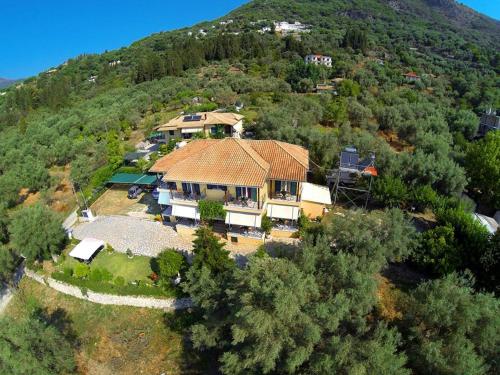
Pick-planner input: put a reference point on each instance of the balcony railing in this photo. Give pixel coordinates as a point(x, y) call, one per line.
point(186, 197)
point(284, 196)
point(245, 232)
point(241, 203)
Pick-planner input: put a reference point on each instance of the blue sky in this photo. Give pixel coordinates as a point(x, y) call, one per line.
point(37, 35)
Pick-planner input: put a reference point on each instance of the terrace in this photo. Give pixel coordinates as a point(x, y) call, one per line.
point(240, 231)
point(177, 196)
point(242, 202)
point(284, 196)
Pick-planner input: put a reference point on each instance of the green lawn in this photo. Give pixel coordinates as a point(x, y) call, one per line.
point(137, 268)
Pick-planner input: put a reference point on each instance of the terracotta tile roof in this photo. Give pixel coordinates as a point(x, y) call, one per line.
point(229, 161)
point(288, 161)
point(165, 163)
point(206, 118)
point(232, 161)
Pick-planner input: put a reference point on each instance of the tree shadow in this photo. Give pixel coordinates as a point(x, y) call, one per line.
point(193, 361)
point(60, 320)
point(277, 249)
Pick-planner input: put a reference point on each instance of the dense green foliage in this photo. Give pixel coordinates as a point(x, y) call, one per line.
point(311, 309)
point(32, 346)
point(36, 232)
point(483, 168)
point(170, 262)
point(211, 210)
point(288, 314)
point(451, 330)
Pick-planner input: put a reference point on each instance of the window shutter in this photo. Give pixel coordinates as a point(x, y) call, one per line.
point(277, 186)
point(254, 194)
point(185, 188)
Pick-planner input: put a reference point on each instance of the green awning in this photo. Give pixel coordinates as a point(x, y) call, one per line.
point(133, 179)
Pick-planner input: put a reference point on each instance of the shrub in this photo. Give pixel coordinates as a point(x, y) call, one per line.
point(68, 271)
point(211, 210)
point(95, 274)
point(266, 224)
point(424, 197)
point(261, 252)
point(100, 274)
point(169, 263)
point(119, 281)
point(81, 271)
point(390, 191)
point(303, 223)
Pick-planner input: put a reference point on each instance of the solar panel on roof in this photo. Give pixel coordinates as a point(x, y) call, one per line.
point(189, 118)
point(348, 159)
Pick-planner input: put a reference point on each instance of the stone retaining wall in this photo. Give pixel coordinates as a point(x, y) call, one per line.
point(111, 299)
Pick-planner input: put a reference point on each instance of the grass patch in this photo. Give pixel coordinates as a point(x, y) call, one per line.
point(134, 274)
point(115, 339)
point(137, 268)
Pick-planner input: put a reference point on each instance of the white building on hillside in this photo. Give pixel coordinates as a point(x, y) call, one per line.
point(288, 28)
point(319, 60)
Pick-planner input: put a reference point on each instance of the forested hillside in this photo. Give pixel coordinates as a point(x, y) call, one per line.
point(71, 125)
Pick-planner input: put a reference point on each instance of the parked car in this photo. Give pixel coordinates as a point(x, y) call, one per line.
point(134, 192)
point(156, 194)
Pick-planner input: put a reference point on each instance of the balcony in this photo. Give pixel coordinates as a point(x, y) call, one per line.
point(284, 196)
point(242, 203)
point(184, 197)
point(238, 231)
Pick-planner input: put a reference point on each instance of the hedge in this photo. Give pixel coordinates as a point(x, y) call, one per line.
point(122, 290)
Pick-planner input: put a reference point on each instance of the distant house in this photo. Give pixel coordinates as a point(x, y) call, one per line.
point(319, 60)
point(185, 126)
point(412, 77)
point(286, 28)
point(250, 178)
point(489, 121)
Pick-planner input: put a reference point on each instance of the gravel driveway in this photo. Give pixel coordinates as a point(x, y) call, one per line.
point(143, 237)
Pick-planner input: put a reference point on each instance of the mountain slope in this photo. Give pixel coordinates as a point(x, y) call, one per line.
point(404, 15)
point(91, 105)
point(5, 82)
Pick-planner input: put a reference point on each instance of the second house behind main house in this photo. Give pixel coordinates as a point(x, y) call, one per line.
point(250, 178)
point(214, 124)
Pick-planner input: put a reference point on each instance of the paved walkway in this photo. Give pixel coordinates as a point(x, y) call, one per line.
point(143, 237)
point(146, 237)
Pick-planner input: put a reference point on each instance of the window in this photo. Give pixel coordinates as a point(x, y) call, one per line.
point(171, 132)
point(217, 187)
point(171, 185)
point(287, 186)
point(190, 188)
point(247, 192)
